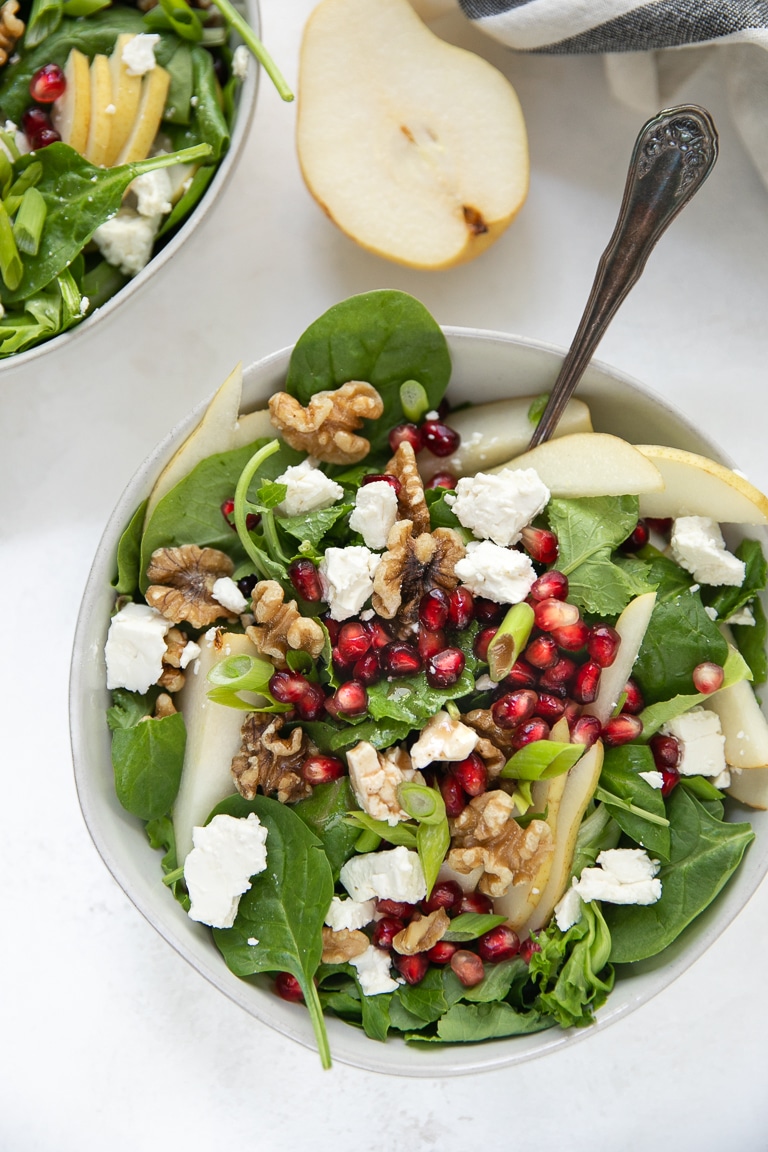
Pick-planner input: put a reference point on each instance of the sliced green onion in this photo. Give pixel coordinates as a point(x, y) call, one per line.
point(537, 406)
point(542, 760)
point(236, 674)
point(185, 22)
point(30, 219)
point(244, 30)
point(44, 18)
point(421, 803)
point(9, 141)
point(173, 877)
point(414, 400)
point(367, 841)
point(611, 799)
point(84, 7)
point(28, 179)
point(6, 173)
point(11, 268)
point(509, 640)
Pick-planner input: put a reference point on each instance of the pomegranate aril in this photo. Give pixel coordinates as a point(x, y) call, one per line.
point(433, 609)
point(521, 675)
point(558, 676)
point(430, 643)
point(311, 704)
point(353, 642)
point(461, 608)
point(350, 699)
point(488, 611)
point(438, 438)
point(665, 751)
point(400, 659)
point(708, 677)
point(514, 708)
point(395, 908)
point(542, 652)
point(385, 931)
point(481, 642)
point(551, 614)
point(342, 668)
point(446, 894)
point(552, 585)
point(42, 138)
point(476, 902)
point(333, 627)
point(527, 949)
point(379, 633)
point(322, 769)
point(530, 732)
point(375, 477)
point(586, 731)
point(586, 682)
point(442, 480)
point(412, 968)
point(442, 952)
point(603, 644)
point(540, 544)
point(549, 707)
point(500, 943)
point(634, 698)
point(471, 774)
point(408, 433)
point(253, 519)
point(47, 84)
point(468, 967)
point(305, 578)
point(453, 795)
point(662, 525)
point(621, 729)
point(572, 637)
point(637, 539)
point(367, 669)
point(444, 668)
point(670, 778)
point(288, 687)
point(228, 510)
point(288, 987)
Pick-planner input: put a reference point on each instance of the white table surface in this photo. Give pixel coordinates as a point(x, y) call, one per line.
point(108, 1040)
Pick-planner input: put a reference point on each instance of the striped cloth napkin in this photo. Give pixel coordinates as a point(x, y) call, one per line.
point(649, 48)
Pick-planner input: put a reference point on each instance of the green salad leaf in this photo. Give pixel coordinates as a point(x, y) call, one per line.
point(324, 813)
point(679, 636)
point(129, 554)
point(147, 757)
point(411, 700)
point(572, 969)
point(636, 807)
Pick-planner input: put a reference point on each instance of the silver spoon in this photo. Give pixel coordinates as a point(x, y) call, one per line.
point(673, 155)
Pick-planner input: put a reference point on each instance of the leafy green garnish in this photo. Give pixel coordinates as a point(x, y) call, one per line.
point(129, 553)
point(147, 758)
point(735, 669)
point(729, 600)
point(410, 699)
point(324, 813)
point(751, 641)
point(572, 969)
point(679, 636)
point(636, 807)
point(313, 526)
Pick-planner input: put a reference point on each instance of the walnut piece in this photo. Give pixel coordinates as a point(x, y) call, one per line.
point(164, 706)
point(270, 761)
point(411, 504)
point(280, 626)
point(181, 584)
point(342, 945)
point(422, 933)
point(484, 835)
point(326, 428)
point(481, 719)
point(11, 29)
point(411, 566)
point(375, 777)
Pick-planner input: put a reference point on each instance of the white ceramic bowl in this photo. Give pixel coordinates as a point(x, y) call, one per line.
point(246, 104)
point(486, 366)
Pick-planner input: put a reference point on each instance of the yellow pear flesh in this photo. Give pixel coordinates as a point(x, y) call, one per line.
point(697, 486)
point(520, 900)
point(71, 113)
point(631, 627)
point(413, 147)
point(590, 464)
point(750, 787)
point(743, 725)
point(154, 92)
point(126, 93)
point(100, 128)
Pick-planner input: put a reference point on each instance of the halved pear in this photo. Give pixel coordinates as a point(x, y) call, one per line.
point(743, 725)
point(71, 113)
point(631, 627)
point(154, 92)
point(413, 147)
point(697, 486)
point(213, 738)
point(750, 787)
point(590, 464)
point(100, 128)
point(126, 94)
point(495, 432)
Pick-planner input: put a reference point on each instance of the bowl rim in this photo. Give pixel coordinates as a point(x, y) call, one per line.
point(246, 107)
point(439, 1060)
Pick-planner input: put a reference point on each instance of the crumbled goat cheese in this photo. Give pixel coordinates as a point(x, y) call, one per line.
point(153, 193)
point(135, 647)
point(226, 854)
point(241, 58)
point(308, 489)
point(347, 578)
point(126, 240)
point(139, 53)
point(710, 611)
point(373, 972)
point(568, 910)
point(743, 617)
point(443, 738)
point(375, 512)
point(392, 875)
point(351, 914)
point(697, 544)
point(702, 743)
point(227, 593)
point(496, 573)
point(623, 876)
point(375, 781)
point(484, 683)
point(723, 779)
point(497, 507)
point(190, 652)
point(655, 779)
point(110, 110)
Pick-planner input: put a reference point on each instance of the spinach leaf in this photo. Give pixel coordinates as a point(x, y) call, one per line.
point(207, 124)
point(501, 980)
point(411, 700)
point(679, 636)
point(468, 1023)
point(705, 853)
point(620, 778)
point(324, 813)
point(425, 1000)
point(751, 642)
point(312, 526)
point(161, 836)
point(129, 553)
point(184, 205)
point(285, 907)
point(572, 969)
point(669, 579)
point(147, 759)
point(470, 925)
point(178, 105)
point(401, 1019)
point(384, 337)
point(735, 668)
point(43, 315)
point(441, 515)
point(375, 1010)
point(381, 734)
point(728, 600)
point(128, 708)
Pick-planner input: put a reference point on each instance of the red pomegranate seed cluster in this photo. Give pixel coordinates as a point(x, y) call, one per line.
point(38, 128)
point(432, 435)
point(47, 84)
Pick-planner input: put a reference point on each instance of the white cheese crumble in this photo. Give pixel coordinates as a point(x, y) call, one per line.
point(498, 506)
point(723, 779)
point(190, 652)
point(375, 780)
point(139, 53)
point(710, 611)
point(153, 193)
point(395, 874)
point(443, 738)
point(347, 578)
point(655, 779)
point(568, 910)
point(702, 743)
point(135, 647)
point(227, 593)
point(697, 544)
point(241, 58)
point(126, 240)
point(744, 617)
point(623, 876)
point(373, 973)
point(351, 914)
point(374, 513)
point(308, 489)
point(496, 573)
point(226, 854)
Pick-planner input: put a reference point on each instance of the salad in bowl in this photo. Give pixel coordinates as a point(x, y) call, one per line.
point(433, 736)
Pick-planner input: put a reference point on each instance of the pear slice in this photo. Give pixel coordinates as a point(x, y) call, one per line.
point(154, 93)
point(126, 94)
point(413, 147)
point(253, 426)
point(71, 113)
point(520, 900)
point(495, 432)
point(697, 486)
point(100, 128)
point(750, 787)
point(213, 738)
point(590, 464)
point(631, 626)
point(743, 725)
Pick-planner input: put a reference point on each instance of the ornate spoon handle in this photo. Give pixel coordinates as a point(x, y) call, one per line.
point(673, 156)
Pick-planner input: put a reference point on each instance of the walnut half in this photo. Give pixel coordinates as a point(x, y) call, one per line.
point(486, 836)
point(326, 428)
point(271, 761)
point(412, 565)
point(11, 29)
point(279, 625)
point(181, 584)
